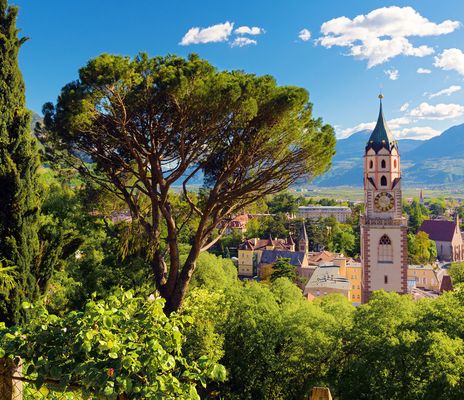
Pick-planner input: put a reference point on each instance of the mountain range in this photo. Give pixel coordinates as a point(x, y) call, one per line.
point(433, 162)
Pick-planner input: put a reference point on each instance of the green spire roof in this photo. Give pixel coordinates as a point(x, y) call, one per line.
point(381, 136)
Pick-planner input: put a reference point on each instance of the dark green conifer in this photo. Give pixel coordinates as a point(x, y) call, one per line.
point(19, 162)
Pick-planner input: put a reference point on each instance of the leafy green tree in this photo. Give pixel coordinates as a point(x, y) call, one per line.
point(283, 203)
point(149, 123)
point(19, 187)
point(123, 346)
point(214, 273)
point(417, 214)
point(437, 207)
point(277, 344)
point(456, 271)
point(283, 269)
point(421, 250)
point(344, 241)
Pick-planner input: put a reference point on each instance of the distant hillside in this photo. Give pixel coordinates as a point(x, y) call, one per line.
point(347, 164)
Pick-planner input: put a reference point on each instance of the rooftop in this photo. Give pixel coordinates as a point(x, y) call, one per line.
point(439, 230)
point(327, 277)
point(381, 136)
point(271, 256)
point(323, 208)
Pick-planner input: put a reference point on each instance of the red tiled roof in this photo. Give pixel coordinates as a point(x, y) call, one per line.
point(439, 230)
point(322, 256)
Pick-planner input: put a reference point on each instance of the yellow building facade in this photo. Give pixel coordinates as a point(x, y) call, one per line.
point(353, 272)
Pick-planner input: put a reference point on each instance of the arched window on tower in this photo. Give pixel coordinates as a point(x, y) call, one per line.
point(394, 163)
point(383, 181)
point(383, 163)
point(385, 250)
point(371, 164)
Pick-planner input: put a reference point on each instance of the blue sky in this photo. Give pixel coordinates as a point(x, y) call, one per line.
point(342, 64)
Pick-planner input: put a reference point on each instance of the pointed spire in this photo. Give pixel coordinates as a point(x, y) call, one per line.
point(381, 135)
point(303, 233)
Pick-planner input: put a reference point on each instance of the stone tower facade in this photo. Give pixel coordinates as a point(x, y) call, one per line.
point(384, 246)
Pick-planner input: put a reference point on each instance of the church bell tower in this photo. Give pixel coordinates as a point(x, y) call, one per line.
point(384, 245)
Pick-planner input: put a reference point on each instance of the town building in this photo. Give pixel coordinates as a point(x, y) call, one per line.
point(237, 224)
point(326, 280)
point(341, 213)
point(423, 276)
point(251, 250)
point(298, 259)
point(352, 271)
point(340, 275)
point(447, 237)
point(384, 246)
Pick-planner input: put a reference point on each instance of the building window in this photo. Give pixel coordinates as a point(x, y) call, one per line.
point(394, 163)
point(384, 164)
point(385, 279)
point(383, 181)
point(371, 164)
point(385, 250)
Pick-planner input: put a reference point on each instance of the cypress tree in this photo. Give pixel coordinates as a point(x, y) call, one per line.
point(19, 188)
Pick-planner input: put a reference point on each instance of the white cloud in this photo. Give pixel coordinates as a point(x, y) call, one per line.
point(404, 107)
point(392, 74)
point(392, 124)
point(382, 34)
point(448, 91)
point(242, 41)
point(344, 133)
point(423, 71)
point(304, 35)
point(418, 132)
point(395, 123)
point(246, 30)
point(438, 111)
point(214, 33)
point(450, 59)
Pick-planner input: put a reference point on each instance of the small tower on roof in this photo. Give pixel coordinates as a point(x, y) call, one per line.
point(303, 242)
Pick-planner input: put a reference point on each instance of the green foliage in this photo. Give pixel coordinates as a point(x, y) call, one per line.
point(456, 270)
point(283, 203)
point(275, 226)
point(8, 279)
point(122, 345)
point(403, 349)
point(329, 234)
point(214, 273)
point(417, 214)
point(283, 269)
point(277, 345)
point(19, 188)
point(421, 250)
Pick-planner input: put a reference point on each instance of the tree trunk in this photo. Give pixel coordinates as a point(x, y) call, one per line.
point(10, 389)
point(175, 300)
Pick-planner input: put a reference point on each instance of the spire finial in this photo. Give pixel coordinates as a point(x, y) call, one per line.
point(380, 96)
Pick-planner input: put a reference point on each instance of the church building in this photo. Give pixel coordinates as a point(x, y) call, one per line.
point(384, 245)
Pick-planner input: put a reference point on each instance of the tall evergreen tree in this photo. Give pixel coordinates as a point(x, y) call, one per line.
point(19, 162)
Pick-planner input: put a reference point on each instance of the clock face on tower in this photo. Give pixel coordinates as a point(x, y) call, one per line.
point(384, 202)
